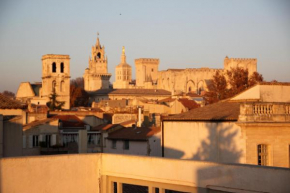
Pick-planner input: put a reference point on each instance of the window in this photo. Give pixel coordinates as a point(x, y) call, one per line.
point(263, 155)
point(53, 85)
point(62, 86)
point(54, 67)
point(35, 141)
point(47, 140)
point(126, 144)
point(61, 67)
point(114, 144)
point(99, 55)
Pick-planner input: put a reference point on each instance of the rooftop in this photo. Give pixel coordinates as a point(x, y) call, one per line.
point(221, 111)
point(190, 104)
point(7, 103)
point(131, 92)
point(134, 134)
point(69, 121)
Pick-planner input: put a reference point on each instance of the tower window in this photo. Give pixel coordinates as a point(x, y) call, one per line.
point(61, 67)
point(62, 86)
point(53, 86)
point(99, 55)
point(54, 67)
point(152, 70)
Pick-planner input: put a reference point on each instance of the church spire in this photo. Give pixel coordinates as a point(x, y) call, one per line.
point(123, 57)
point(98, 41)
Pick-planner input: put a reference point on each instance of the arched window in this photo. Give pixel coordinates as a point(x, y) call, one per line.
point(62, 86)
point(99, 55)
point(54, 67)
point(61, 67)
point(53, 85)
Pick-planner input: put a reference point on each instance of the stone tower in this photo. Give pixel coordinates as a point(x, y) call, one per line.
point(123, 73)
point(97, 76)
point(146, 71)
point(56, 77)
point(246, 63)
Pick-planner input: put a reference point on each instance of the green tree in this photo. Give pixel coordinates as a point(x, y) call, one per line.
point(54, 104)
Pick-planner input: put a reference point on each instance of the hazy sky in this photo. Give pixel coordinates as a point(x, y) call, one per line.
point(182, 34)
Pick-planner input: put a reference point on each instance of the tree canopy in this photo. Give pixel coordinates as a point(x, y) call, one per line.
point(53, 103)
point(78, 96)
point(234, 81)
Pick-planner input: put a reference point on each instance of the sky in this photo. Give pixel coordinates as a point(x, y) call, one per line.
point(182, 34)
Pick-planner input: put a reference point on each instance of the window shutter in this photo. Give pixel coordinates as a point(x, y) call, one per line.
point(53, 140)
point(24, 141)
point(30, 141)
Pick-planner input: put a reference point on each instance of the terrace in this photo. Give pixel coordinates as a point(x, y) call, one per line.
point(110, 173)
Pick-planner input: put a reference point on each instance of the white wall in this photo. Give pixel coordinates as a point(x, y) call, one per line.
point(135, 147)
point(155, 145)
point(266, 93)
point(1, 136)
point(92, 173)
point(210, 141)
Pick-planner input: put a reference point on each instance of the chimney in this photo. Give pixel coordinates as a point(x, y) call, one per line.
point(139, 117)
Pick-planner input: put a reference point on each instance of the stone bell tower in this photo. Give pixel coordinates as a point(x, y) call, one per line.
point(96, 76)
point(56, 77)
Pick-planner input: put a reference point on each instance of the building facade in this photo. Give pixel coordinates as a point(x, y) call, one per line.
point(251, 128)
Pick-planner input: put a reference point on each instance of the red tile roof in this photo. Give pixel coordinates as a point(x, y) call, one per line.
point(134, 134)
point(167, 100)
point(38, 122)
point(7, 103)
point(190, 104)
point(104, 127)
point(221, 111)
point(69, 121)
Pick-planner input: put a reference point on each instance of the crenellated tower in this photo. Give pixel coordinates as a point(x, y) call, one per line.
point(96, 76)
point(246, 63)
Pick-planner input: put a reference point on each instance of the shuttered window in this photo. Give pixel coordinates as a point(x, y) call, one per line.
point(263, 155)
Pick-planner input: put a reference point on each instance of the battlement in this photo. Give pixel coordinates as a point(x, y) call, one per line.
point(55, 56)
point(147, 60)
point(243, 59)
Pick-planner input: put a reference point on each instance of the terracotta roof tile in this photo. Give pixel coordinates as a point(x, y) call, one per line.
point(190, 104)
point(167, 100)
point(221, 111)
point(38, 122)
point(134, 134)
point(104, 127)
point(69, 121)
point(7, 103)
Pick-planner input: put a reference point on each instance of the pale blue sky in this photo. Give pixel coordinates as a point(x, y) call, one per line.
point(182, 34)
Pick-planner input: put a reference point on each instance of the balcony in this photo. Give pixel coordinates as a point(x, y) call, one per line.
point(265, 112)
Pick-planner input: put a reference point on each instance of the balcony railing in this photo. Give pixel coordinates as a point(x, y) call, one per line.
point(264, 112)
